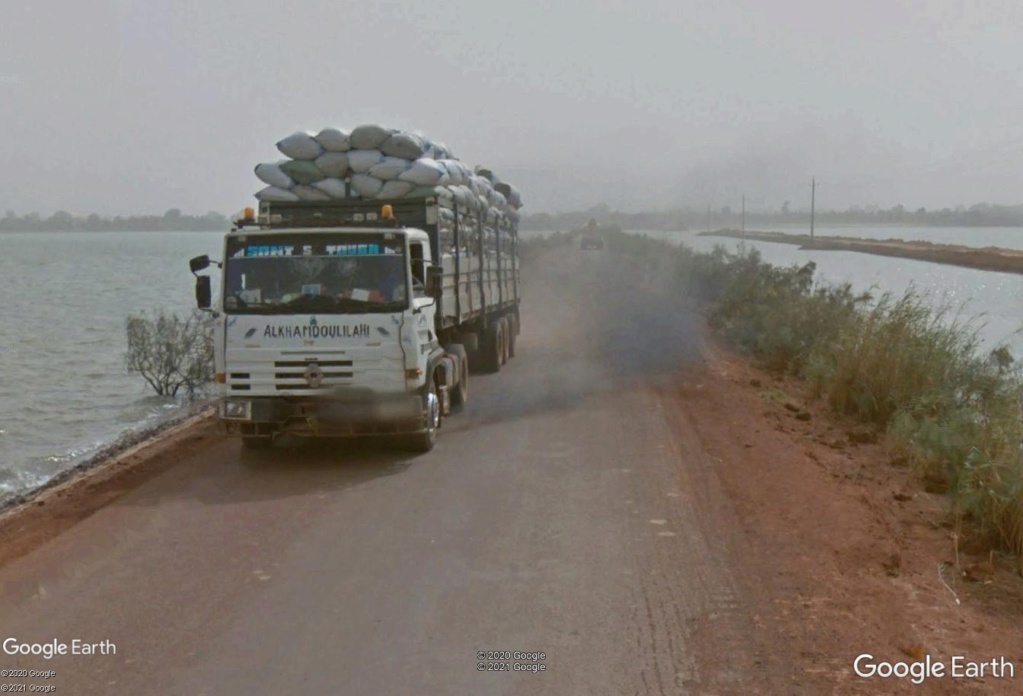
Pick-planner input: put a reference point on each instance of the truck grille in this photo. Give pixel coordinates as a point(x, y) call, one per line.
point(289, 375)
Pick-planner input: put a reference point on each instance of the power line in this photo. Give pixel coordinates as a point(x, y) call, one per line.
point(813, 197)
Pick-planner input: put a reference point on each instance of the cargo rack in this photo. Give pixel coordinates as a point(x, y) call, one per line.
point(407, 212)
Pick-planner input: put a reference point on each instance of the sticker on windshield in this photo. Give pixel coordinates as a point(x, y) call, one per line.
point(269, 250)
point(253, 296)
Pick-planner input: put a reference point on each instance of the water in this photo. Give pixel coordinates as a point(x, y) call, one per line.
point(64, 390)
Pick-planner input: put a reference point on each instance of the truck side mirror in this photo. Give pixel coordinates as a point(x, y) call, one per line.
point(199, 263)
point(203, 295)
point(434, 280)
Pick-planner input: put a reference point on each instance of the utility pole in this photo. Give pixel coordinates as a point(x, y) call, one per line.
point(744, 215)
point(813, 196)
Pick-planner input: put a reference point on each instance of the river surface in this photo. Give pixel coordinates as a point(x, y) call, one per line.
point(65, 393)
point(64, 390)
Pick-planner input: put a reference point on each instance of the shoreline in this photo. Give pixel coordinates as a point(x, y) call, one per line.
point(31, 519)
point(108, 451)
point(997, 259)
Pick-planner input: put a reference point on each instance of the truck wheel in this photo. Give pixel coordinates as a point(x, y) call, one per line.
point(423, 442)
point(492, 348)
point(513, 331)
point(461, 392)
point(504, 340)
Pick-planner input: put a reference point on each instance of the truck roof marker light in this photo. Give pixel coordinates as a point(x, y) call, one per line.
point(387, 212)
point(250, 214)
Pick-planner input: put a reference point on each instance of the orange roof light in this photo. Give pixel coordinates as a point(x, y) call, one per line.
point(386, 212)
point(250, 214)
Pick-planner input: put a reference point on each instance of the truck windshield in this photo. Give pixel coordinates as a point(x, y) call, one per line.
point(317, 272)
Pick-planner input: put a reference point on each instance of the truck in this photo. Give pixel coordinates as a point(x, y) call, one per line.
point(352, 317)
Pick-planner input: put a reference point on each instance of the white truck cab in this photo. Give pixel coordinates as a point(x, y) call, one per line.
point(333, 328)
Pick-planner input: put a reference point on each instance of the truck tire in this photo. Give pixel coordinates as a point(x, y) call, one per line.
point(491, 348)
point(423, 442)
point(513, 331)
point(504, 339)
point(460, 394)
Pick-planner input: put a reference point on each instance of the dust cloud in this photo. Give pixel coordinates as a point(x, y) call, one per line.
point(593, 322)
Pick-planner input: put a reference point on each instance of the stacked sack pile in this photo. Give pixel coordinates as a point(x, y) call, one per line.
point(373, 162)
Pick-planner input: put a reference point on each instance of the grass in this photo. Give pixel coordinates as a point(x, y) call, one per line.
point(911, 370)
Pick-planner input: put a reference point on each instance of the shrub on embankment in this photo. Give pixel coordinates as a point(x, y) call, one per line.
point(171, 353)
point(912, 370)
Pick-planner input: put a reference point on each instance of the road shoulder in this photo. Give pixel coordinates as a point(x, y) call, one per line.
point(836, 544)
point(49, 511)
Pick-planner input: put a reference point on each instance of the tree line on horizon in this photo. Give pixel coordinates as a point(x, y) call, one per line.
point(62, 221)
point(980, 215)
point(173, 220)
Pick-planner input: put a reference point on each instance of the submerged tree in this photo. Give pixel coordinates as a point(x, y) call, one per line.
point(171, 353)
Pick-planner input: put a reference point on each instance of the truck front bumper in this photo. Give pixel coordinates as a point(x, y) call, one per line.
point(322, 415)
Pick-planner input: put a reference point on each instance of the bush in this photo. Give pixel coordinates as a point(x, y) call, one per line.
point(171, 353)
point(897, 363)
point(776, 314)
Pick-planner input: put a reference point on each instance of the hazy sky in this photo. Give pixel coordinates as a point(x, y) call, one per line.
point(117, 106)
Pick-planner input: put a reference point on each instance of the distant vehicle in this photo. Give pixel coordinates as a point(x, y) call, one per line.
point(592, 236)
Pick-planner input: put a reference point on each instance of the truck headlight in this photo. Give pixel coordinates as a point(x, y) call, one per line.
point(236, 409)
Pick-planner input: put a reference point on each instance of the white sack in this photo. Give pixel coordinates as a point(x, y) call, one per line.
point(369, 137)
point(335, 188)
point(367, 186)
point(361, 161)
point(333, 164)
point(389, 168)
point(420, 191)
point(404, 145)
point(274, 193)
point(442, 152)
point(334, 140)
point(424, 172)
point(302, 171)
point(395, 189)
point(270, 173)
point(454, 170)
point(300, 146)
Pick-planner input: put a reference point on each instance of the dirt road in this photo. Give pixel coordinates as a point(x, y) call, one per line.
point(571, 511)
